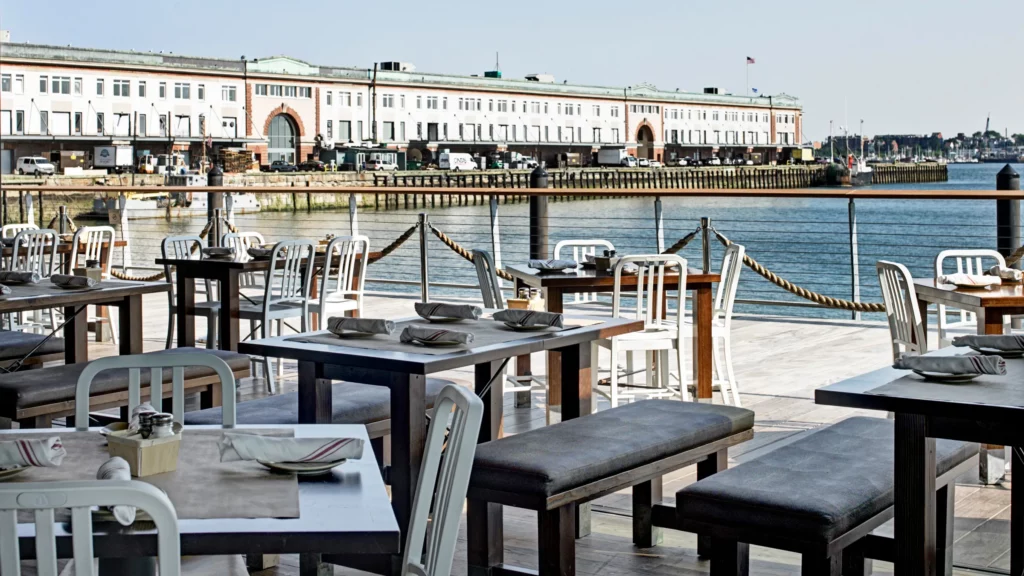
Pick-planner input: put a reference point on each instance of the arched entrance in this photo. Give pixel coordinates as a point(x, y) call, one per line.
point(284, 140)
point(645, 142)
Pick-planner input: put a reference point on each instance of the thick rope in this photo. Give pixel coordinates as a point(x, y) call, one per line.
point(394, 245)
point(463, 252)
point(804, 293)
point(675, 248)
point(1015, 257)
point(159, 275)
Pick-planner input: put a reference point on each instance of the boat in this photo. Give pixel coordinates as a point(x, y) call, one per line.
point(149, 205)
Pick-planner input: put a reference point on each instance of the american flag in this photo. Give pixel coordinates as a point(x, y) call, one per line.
point(750, 60)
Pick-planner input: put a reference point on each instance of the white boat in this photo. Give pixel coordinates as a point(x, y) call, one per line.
point(147, 205)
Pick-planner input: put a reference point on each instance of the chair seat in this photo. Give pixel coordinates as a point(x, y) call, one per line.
point(352, 404)
point(255, 311)
point(336, 304)
point(664, 337)
point(15, 345)
point(206, 309)
point(816, 488)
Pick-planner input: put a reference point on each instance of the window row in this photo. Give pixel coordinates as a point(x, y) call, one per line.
point(749, 137)
point(345, 99)
point(284, 90)
point(15, 83)
point(118, 124)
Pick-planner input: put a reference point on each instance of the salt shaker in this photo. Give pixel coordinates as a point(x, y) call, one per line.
point(162, 425)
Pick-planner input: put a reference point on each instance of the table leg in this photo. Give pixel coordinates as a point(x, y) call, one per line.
point(992, 464)
point(229, 305)
point(577, 400)
point(102, 327)
point(553, 302)
point(130, 325)
point(524, 371)
point(493, 374)
point(314, 293)
point(408, 434)
point(186, 307)
point(915, 497)
point(703, 310)
point(76, 335)
point(310, 564)
point(1017, 514)
point(990, 321)
point(922, 306)
point(315, 394)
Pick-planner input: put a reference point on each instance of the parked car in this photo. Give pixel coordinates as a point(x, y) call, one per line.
point(313, 166)
point(282, 166)
point(654, 163)
point(36, 165)
point(381, 164)
point(644, 163)
point(713, 162)
point(678, 162)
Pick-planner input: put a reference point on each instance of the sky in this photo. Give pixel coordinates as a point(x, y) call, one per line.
point(901, 66)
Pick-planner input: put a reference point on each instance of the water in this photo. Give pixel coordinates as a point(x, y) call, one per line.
point(803, 240)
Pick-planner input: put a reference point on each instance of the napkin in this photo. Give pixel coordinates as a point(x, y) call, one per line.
point(340, 324)
point(439, 310)
point(1004, 273)
point(68, 281)
point(953, 364)
point(529, 318)
point(993, 341)
point(260, 252)
point(429, 334)
point(117, 469)
point(8, 277)
point(552, 264)
point(47, 452)
point(145, 407)
point(234, 447)
point(970, 280)
point(219, 251)
point(4, 290)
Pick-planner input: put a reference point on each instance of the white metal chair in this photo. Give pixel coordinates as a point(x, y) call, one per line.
point(241, 242)
point(35, 250)
point(900, 297)
point(966, 262)
point(188, 248)
point(88, 244)
point(444, 479)
point(336, 293)
point(660, 336)
point(9, 231)
point(580, 250)
point(45, 497)
point(286, 295)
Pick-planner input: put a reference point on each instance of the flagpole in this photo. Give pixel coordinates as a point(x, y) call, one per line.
point(748, 77)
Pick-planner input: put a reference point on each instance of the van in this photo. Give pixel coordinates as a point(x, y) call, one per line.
point(629, 162)
point(456, 161)
point(381, 164)
point(36, 165)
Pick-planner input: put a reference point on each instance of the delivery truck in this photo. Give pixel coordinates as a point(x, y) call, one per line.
point(456, 161)
point(615, 157)
point(114, 158)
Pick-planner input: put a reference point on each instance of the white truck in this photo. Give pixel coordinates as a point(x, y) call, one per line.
point(456, 161)
point(114, 158)
point(615, 157)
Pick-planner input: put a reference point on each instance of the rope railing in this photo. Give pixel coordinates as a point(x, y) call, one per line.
point(394, 245)
point(461, 251)
point(121, 275)
point(682, 242)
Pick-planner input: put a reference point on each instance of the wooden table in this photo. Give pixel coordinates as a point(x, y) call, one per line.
point(990, 305)
point(126, 296)
point(939, 411)
point(344, 512)
point(404, 373)
point(556, 285)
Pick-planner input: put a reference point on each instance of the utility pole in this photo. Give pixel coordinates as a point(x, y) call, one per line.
point(373, 105)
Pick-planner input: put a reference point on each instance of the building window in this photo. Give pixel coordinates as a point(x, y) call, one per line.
point(490, 105)
point(261, 89)
point(461, 103)
point(122, 88)
point(419, 127)
point(389, 131)
point(44, 122)
point(419, 102)
point(444, 103)
point(275, 90)
point(490, 132)
point(78, 124)
point(344, 130)
point(5, 83)
point(387, 101)
point(305, 91)
point(330, 98)
point(597, 134)
point(162, 90)
point(142, 89)
point(345, 99)
point(182, 90)
point(201, 92)
point(291, 91)
point(19, 121)
point(502, 105)
point(559, 108)
point(597, 110)
point(99, 123)
point(401, 103)
point(330, 129)
point(513, 105)
point(359, 128)
point(446, 131)
point(359, 99)
point(140, 127)
point(615, 135)
point(44, 84)
point(228, 93)
point(99, 87)
point(60, 85)
point(19, 84)
point(401, 130)
point(431, 102)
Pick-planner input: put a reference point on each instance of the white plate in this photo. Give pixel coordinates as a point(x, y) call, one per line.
point(441, 319)
point(946, 378)
point(303, 468)
point(532, 328)
point(352, 334)
point(80, 288)
point(1003, 353)
point(970, 286)
point(437, 343)
point(5, 474)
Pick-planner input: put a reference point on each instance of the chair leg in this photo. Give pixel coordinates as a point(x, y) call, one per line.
point(595, 365)
point(729, 373)
point(630, 356)
point(613, 377)
point(170, 331)
point(944, 515)
point(854, 562)
point(212, 321)
point(280, 361)
point(112, 319)
point(717, 369)
point(684, 389)
point(729, 558)
point(818, 566)
point(663, 369)
point(268, 373)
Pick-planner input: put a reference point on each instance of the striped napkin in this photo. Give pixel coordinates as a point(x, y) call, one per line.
point(1004, 273)
point(552, 264)
point(441, 310)
point(953, 364)
point(235, 447)
point(992, 341)
point(46, 452)
point(4, 290)
point(429, 334)
point(9, 277)
point(338, 325)
point(117, 468)
point(529, 318)
point(970, 280)
point(69, 281)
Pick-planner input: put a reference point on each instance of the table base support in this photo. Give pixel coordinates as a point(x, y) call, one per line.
point(992, 464)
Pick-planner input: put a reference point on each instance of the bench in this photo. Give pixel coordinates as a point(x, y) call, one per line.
point(820, 495)
point(15, 345)
point(34, 397)
point(555, 469)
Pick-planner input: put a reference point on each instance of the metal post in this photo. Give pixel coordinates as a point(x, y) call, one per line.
point(854, 257)
point(424, 261)
point(705, 244)
point(539, 215)
point(659, 225)
point(30, 213)
point(495, 235)
point(41, 223)
point(353, 221)
point(62, 219)
point(122, 213)
point(229, 208)
point(1008, 237)
point(215, 204)
point(216, 231)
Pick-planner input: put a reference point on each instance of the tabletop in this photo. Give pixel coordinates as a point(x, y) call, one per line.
point(1005, 295)
point(45, 294)
point(590, 277)
point(345, 512)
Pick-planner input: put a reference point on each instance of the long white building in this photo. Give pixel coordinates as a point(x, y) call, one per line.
point(61, 98)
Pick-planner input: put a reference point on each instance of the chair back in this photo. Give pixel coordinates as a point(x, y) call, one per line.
point(580, 250)
point(444, 479)
point(180, 248)
point(487, 276)
point(353, 256)
point(156, 363)
point(35, 250)
point(241, 242)
point(289, 278)
point(725, 297)
point(905, 327)
point(965, 261)
point(81, 496)
point(94, 243)
point(651, 294)
point(11, 230)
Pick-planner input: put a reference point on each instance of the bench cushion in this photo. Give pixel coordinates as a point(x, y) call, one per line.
point(15, 345)
point(553, 459)
point(814, 489)
point(30, 388)
point(353, 404)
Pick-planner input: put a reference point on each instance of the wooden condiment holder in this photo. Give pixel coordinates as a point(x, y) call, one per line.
point(94, 273)
point(145, 456)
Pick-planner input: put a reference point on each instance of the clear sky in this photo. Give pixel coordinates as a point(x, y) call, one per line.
point(903, 66)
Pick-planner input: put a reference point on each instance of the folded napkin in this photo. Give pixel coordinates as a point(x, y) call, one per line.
point(529, 318)
point(8, 277)
point(219, 251)
point(69, 281)
point(1004, 273)
point(260, 252)
point(993, 341)
point(953, 364)
point(48, 452)
point(552, 264)
point(4, 290)
point(341, 324)
point(117, 469)
point(234, 447)
point(439, 310)
point(430, 334)
point(144, 408)
point(970, 280)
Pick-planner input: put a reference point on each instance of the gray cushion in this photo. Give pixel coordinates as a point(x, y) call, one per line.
point(353, 404)
point(816, 488)
point(556, 458)
point(16, 345)
point(57, 384)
